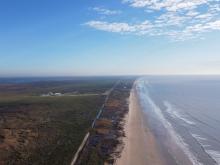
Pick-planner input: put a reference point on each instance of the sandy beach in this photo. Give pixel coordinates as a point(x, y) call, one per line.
point(140, 146)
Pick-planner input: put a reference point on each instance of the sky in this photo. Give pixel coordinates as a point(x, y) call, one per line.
point(109, 37)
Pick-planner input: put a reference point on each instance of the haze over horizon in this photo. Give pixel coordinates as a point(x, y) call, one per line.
point(118, 37)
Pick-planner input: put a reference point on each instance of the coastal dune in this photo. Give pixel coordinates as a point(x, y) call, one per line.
point(140, 145)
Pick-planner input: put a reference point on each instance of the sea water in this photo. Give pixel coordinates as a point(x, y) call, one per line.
point(184, 114)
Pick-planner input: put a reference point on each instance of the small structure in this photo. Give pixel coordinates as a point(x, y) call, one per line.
point(51, 94)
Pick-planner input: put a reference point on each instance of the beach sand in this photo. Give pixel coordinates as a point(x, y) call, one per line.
point(140, 145)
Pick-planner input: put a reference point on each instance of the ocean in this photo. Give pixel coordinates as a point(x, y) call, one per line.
point(183, 113)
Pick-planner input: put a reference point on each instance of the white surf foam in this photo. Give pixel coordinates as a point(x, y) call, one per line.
point(175, 137)
point(198, 137)
point(215, 155)
point(175, 114)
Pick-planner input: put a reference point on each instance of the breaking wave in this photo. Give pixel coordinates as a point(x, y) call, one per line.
point(175, 114)
point(142, 88)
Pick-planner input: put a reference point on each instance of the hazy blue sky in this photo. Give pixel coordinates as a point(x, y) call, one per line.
point(99, 37)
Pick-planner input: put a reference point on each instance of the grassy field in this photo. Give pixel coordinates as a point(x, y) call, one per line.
point(36, 88)
point(46, 130)
point(49, 130)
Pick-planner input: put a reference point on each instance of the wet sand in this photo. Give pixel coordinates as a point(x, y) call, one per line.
point(155, 137)
point(140, 145)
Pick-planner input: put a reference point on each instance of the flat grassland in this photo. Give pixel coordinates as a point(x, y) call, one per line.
point(76, 86)
point(47, 130)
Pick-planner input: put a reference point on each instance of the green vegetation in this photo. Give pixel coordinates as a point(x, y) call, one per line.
point(79, 86)
point(38, 130)
point(47, 130)
point(105, 142)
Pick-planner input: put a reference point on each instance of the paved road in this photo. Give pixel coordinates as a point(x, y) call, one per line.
point(93, 124)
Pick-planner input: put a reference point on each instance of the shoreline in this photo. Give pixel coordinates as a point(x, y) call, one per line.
point(139, 143)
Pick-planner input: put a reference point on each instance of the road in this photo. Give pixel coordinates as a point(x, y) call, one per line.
point(77, 154)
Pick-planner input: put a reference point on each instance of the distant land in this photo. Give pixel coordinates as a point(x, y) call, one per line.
point(115, 120)
point(40, 127)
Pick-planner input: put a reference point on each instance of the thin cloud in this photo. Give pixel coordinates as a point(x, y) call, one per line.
point(178, 20)
point(104, 11)
point(120, 27)
point(169, 5)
